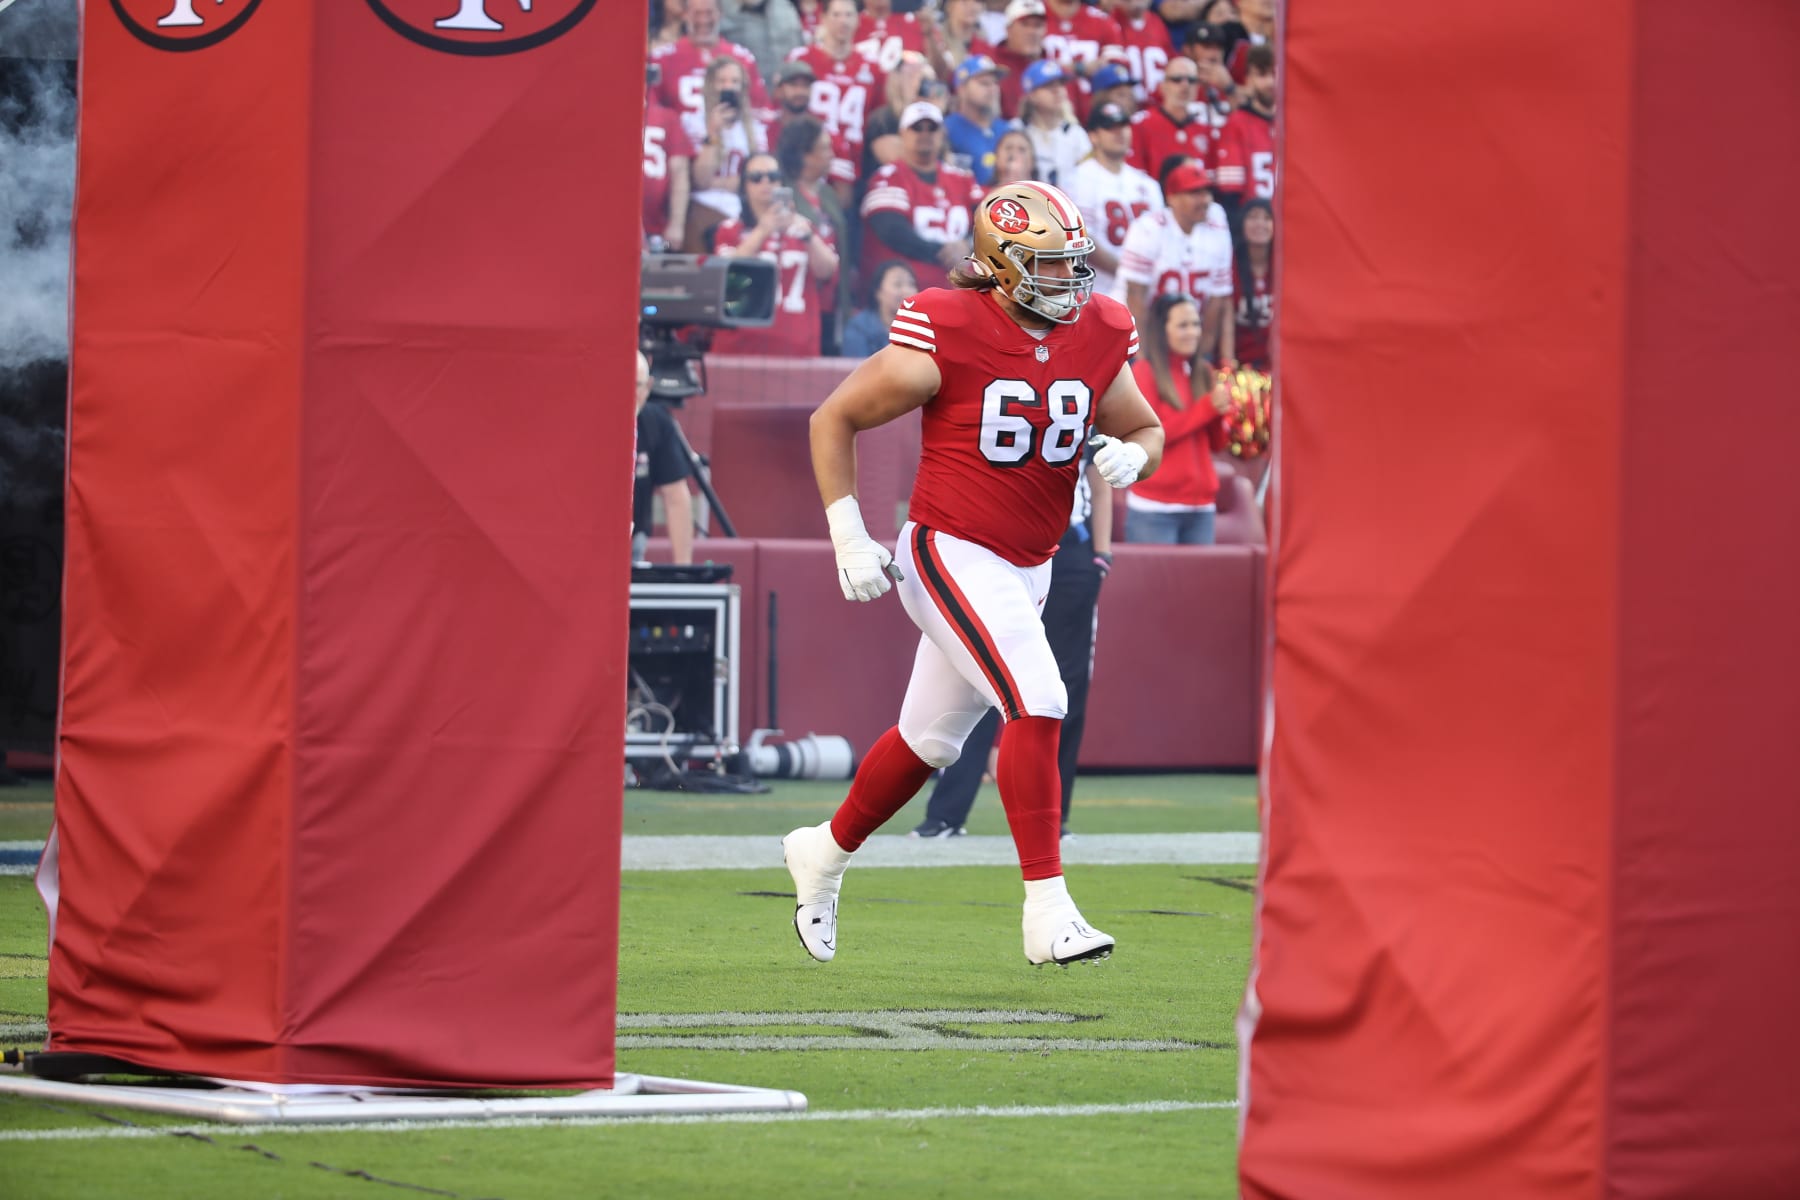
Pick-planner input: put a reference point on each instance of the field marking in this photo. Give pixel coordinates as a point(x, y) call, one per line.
point(1017, 1111)
point(877, 1029)
point(705, 852)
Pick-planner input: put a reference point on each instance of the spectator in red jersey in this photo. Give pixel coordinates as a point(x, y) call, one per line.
point(812, 12)
point(1169, 129)
point(885, 35)
point(1026, 27)
point(1253, 286)
point(1114, 84)
point(668, 163)
point(1246, 158)
point(1178, 505)
point(806, 155)
point(1014, 158)
point(1147, 46)
point(769, 29)
point(725, 134)
point(1184, 248)
point(867, 331)
point(1080, 38)
point(805, 264)
point(1048, 118)
point(1206, 47)
point(956, 38)
point(907, 83)
point(684, 64)
point(847, 88)
point(917, 208)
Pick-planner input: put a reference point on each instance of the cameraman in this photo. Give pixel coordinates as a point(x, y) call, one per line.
point(662, 469)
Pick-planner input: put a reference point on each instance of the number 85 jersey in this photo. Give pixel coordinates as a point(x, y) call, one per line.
point(1002, 439)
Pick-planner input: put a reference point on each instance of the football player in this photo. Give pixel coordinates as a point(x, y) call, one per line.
point(1014, 367)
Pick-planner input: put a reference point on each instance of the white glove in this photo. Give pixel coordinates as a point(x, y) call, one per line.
point(1118, 462)
point(865, 567)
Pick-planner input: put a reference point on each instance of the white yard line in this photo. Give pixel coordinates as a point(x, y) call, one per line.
point(704, 852)
point(232, 1132)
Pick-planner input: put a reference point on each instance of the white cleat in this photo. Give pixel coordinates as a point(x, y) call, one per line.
point(1058, 935)
point(816, 863)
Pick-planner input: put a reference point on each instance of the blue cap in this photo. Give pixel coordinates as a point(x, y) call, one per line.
point(1043, 73)
point(975, 64)
point(1111, 75)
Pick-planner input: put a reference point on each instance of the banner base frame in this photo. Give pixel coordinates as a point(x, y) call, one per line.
point(270, 1104)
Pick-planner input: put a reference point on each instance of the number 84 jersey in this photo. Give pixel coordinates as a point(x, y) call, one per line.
point(1002, 439)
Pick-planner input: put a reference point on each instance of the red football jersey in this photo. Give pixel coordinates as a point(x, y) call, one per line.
point(939, 212)
point(664, 139)
point(1148, 48)
point(1087, 36)
point(885, 39)
point(1246, 157)
point(844, 94)
point(683, 83)
point(1012, 84)
point(1255, 317)
point(1154, 137)
point(795, 333)
point(1002, 439)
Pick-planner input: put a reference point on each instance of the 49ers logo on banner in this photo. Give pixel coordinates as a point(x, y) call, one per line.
point(183, 24)
point(1009, 216)
point(481, 26)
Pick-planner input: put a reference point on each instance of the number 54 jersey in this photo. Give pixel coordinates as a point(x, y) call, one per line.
point(1002, 439)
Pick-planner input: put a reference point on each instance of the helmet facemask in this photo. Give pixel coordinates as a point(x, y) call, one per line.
point(1056, 298)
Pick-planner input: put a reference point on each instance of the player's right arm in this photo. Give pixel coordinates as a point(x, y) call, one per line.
point(889, 384)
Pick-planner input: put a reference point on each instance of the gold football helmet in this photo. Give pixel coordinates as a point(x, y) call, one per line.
point(1019, 228)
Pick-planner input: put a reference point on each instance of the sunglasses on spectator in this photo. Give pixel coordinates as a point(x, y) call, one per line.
point(925, 126)
point(1182, 78)
point(762, 176)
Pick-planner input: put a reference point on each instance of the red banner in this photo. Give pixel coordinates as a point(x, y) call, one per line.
point(339, 790)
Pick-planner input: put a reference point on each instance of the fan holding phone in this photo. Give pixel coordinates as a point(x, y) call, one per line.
point(805, 258)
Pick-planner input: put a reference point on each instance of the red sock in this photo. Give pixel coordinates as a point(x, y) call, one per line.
point(1031, 790)
point(890, 775)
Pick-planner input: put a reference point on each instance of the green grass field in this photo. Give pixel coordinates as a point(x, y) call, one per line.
point(1077, 1115)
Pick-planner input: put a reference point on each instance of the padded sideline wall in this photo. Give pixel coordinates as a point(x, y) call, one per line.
point(1524, 928)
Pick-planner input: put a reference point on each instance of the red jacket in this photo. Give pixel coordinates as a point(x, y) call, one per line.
point(1190, 435)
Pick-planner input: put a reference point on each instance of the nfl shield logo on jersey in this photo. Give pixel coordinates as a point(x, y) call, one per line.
point(1043, 353)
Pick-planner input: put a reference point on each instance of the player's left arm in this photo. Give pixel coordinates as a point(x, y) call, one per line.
point(1129, 426)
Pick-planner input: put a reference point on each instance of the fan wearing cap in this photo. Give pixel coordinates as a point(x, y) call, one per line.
point(1081, 39)
point(1011, 369)
point(847, 87)
point(1186, 248)
point(974, 125)
point(1048, 118)
point(1111, 192)
point(1146, 42)
point(1114, 84)
point(917, 207)
point(1205, 47)
point(1023, 46)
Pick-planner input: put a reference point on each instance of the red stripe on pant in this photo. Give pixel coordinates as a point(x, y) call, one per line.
point(960, 614)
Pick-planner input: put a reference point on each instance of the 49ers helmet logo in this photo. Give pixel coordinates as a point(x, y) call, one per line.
point(1009, 217)
point(183, 24)
point(481, 26)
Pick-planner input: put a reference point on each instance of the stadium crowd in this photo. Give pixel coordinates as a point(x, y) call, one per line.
point(848, 140)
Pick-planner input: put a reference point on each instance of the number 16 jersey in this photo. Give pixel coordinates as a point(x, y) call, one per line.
point(1002, 439)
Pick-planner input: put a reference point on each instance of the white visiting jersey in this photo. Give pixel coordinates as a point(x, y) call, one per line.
point(1158, 254)
point(1109, 202)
